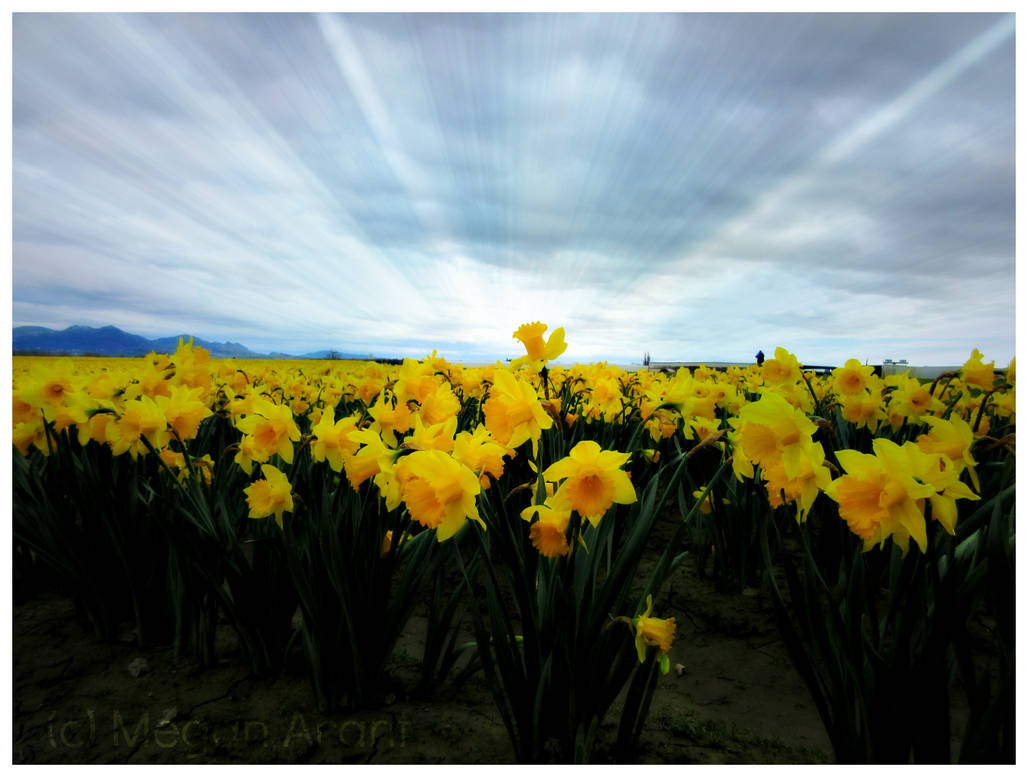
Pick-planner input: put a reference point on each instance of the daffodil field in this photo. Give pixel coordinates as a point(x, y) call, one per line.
point(314, 504)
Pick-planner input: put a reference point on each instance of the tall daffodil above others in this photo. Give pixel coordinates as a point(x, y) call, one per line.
point(976, 373)
point(783, 369)
point(539, 351)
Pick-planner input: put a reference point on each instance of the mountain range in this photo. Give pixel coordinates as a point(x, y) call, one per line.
point(111, 341)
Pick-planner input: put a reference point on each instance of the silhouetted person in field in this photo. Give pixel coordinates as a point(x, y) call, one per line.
point(760, 358)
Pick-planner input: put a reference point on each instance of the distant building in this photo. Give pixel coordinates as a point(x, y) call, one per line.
point(900, 366)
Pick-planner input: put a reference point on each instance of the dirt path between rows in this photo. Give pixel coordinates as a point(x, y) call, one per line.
point(733, 698)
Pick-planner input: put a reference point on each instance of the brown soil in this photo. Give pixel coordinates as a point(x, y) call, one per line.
point(733, 698)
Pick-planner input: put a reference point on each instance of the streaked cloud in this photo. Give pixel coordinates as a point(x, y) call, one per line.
point(693, 185)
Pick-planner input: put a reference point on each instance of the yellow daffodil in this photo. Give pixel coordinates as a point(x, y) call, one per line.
point(910, 401)
point(802, 486)
point(387, 542)
point(975, 373)
point(28, 434)
point(95, 426)
point(513, 412)
point(783, 369)
point(271, 496)
point(742, 467)
point(273, 430)
point(23, 410)
point(192, 364)
point(662, 424)
point(549, 533)
point(853, 378)
point(365, 462)
point(439, 491)
point(332, 441)
point(480, 453)
point(702, 428)
point(953, 439)
point(47, 385)
point(539, 351)
point(654, 632)
point(606, 401)
point(592, 480)
point(390, 419)
point(151, 380)
point(173, 459)
point(880, 494)
point(439, 405)
point(71, 411)
point(247, 454)
point(139, 418)
point(184, 410)
point(437, 437)
point(864, 409)
point(707, 505)
point(415, 381)
point(772, 430)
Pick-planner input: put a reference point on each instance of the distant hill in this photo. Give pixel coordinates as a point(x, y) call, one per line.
point(107, 341)
point(111, 341)
point(218, 350)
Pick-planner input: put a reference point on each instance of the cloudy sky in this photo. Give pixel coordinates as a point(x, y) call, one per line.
point(692, 185)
